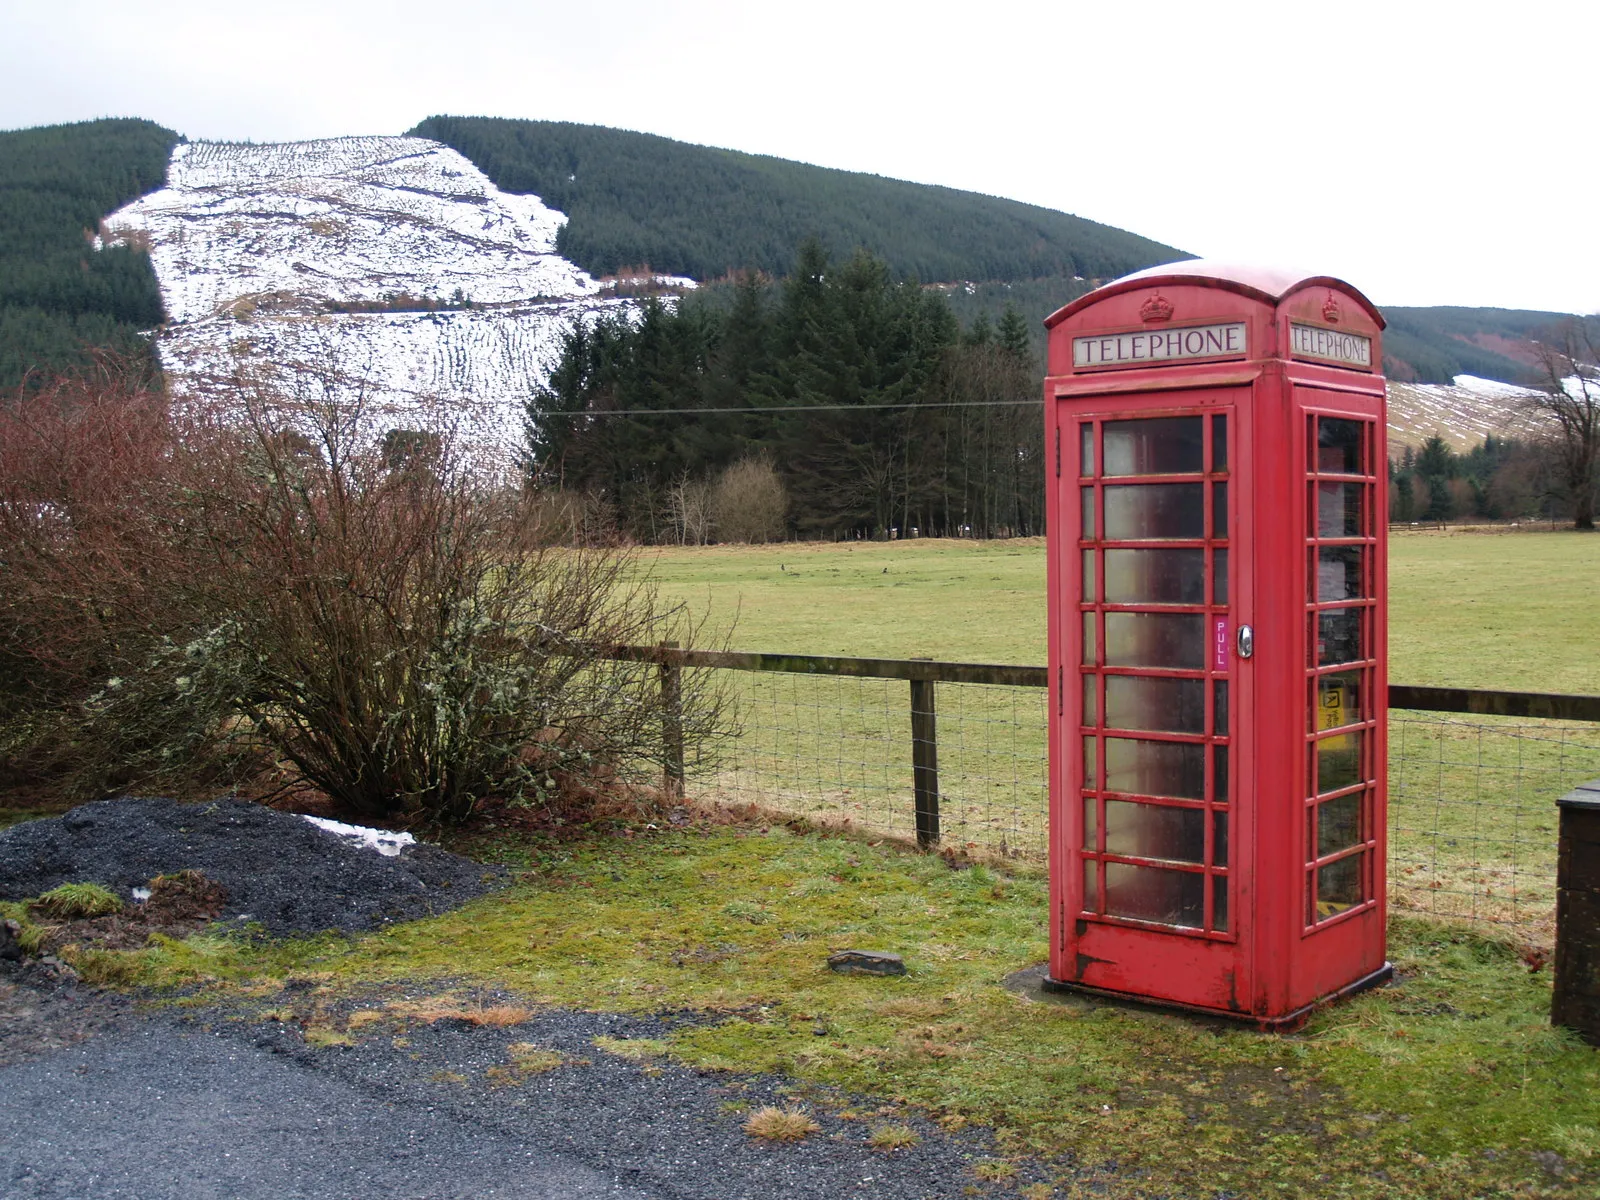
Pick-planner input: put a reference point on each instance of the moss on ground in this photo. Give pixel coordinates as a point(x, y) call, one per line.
point(1451, 1084)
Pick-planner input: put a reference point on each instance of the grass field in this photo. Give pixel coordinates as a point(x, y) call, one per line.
point(1515, 610)
point(1471, 809)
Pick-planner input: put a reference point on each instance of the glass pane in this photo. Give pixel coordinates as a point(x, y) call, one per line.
point(1219, 903)
point(1339, 636)
point(1154, 510)
point(1338, 886)
point(1088, 576)
point(1339, 446)
point(1339, 573)
point(1155, 831)
point(1086, 449)
point(1090, 708)
point(1091, 777)
point(1155, 894)
point(1091, 893)
point(1219, 774)
point(1089, 648)
point(1219, 442)
point(1156, 768)
point(1219, 707)
point(1156, 640)
point(1156, 576)
point(1339, 509)
point(1338, 700)
point(1167, 705)
point(1087, 496)
point(1338, 762)
point(1219, 576)
point(1153, 446)
point(1090, 838)
point(1219, 838)
point(1338, 824)
point(1219, 510)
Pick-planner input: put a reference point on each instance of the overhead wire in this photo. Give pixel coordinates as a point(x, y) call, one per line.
point(788, 408)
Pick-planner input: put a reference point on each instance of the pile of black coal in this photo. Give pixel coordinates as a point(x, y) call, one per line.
point(278, 870)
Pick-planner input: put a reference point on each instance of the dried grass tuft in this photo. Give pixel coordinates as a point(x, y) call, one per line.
point(780, 1124)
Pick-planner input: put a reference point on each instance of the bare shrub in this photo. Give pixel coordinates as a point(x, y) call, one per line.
point(689, 501)
point(83, 553)
point(748, 502)
point(411, 642)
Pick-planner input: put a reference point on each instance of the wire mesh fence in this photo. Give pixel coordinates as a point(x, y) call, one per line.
point(838, 750)
point(1472, 814)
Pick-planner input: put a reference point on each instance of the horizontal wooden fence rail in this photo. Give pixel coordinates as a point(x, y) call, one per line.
point(860, 668)
point(924, 674)
point(1479, 701)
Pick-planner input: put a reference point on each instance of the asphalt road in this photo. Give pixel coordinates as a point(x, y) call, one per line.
point(99, 1100)
point(150, 1111)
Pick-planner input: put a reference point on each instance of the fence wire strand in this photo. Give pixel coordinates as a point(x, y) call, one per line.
point(1472, 814)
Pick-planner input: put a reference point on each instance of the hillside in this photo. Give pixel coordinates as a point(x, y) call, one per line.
point(57, 295)
point(699, 211)
point(636, 198)
point(386, 268)
point(1434, 345)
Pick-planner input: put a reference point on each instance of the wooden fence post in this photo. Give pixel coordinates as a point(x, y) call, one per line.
point(925, 762)
point(1576, 1002)
point(671, 674)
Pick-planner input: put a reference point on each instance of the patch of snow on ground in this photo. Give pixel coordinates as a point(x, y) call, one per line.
point(381, 840)
point(257, 247)
point(1490, 387)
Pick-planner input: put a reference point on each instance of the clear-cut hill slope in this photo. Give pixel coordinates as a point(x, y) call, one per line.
point(1463, 413)
point(262, 251)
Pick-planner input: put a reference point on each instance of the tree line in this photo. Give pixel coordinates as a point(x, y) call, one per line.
point(60, 299)
point(856, 392)
point(1500, 479)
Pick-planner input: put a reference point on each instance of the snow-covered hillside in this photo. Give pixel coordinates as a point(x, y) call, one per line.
point(259, 249)
point(1463, 412)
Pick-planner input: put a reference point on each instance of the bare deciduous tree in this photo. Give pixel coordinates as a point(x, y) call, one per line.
point(1569, 362)
point(689, 508)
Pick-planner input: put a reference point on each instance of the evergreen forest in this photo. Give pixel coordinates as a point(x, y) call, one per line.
point(635, 198)
point(59, 297)
point(857, 392)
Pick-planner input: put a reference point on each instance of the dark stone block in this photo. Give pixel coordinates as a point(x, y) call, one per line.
point(866, 962)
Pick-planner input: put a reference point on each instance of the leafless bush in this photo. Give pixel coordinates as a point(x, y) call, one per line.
point(83, 553)
point(748, 502)
point(410, 641)
point(689, 508)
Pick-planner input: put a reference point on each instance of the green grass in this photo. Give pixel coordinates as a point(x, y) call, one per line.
point(1517, 611)
point(1447, 1085)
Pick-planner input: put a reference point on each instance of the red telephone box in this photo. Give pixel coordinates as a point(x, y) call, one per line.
point(1217, 641)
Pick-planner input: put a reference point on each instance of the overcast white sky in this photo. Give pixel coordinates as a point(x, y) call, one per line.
point(1427, 153)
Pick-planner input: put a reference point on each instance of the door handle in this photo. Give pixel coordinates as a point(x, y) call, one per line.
point(1246, 641)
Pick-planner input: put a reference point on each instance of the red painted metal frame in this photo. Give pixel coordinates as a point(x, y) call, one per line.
point(1275, 962)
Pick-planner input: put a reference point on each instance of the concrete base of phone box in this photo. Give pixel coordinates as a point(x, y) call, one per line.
point(1287, 1023)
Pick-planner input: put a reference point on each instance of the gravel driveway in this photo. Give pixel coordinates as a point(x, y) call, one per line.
point(99, 1100)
